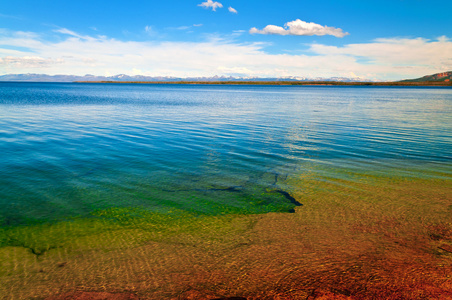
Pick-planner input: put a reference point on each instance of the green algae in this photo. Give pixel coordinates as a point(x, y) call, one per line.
point(111, 229)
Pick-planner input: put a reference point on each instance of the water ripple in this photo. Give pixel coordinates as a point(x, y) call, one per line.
point(70, 148)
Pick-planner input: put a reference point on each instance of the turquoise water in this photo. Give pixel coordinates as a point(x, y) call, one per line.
point(69, 149)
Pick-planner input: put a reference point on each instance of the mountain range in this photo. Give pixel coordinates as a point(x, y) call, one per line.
point(445, 77)
point(438, 77)
point(141, 78)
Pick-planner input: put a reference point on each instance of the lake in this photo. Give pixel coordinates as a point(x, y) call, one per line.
point(68, 149)
point(98, 157)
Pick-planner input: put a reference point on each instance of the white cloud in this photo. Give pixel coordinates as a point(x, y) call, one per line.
point(72, 33)
point(396, 52)
point(270, 29)
point(150, 30)
point(232, 10)
point(25, 34)
point(211, 4)
point(299, 27)
point(185, 27)
point(384, 59)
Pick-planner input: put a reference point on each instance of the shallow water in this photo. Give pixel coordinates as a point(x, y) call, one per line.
point(69, 150)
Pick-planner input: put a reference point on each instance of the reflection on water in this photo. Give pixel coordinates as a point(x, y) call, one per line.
point(70, 149)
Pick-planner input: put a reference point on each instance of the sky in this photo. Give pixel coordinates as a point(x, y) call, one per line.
point(371, 40)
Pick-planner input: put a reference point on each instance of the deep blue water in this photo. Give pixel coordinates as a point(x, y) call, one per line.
point(69, 149)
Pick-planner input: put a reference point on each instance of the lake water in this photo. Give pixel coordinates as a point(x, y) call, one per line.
point(67, 150)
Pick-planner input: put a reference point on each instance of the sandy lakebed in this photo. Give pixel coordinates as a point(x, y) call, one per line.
point(395, 245)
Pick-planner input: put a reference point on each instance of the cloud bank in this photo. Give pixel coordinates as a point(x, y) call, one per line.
point(211, 4)
point(77, 54)
point(299, 27)
point(28, 62)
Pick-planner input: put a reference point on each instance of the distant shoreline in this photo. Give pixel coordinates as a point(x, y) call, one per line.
point(308, 83)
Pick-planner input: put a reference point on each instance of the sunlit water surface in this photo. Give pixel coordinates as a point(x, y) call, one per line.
point(67, 150)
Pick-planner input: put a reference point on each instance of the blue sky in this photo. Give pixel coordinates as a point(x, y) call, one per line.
point(377, 40)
